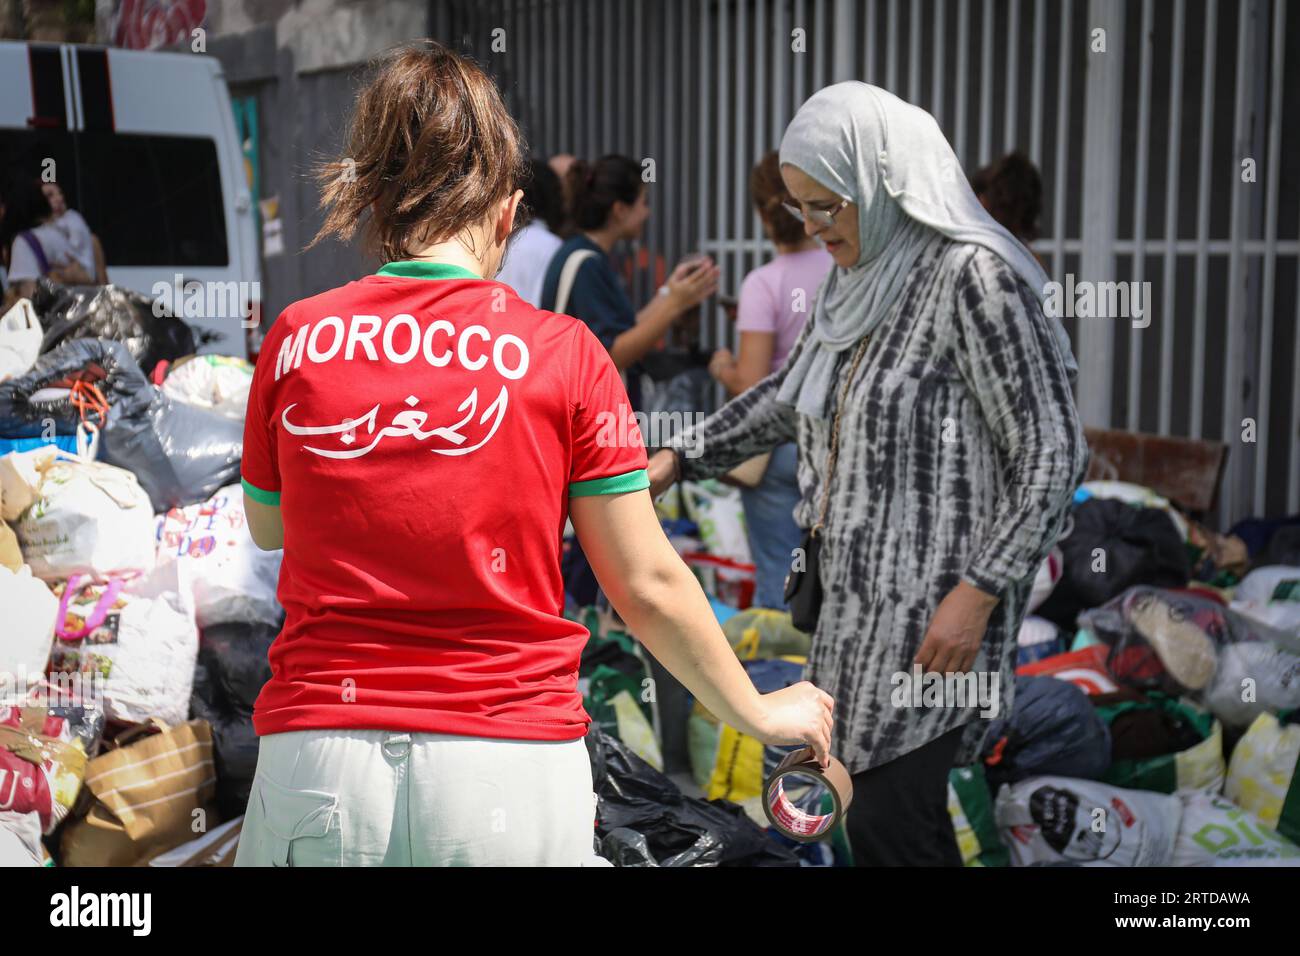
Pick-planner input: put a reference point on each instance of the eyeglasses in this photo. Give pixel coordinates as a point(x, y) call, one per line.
point(822, 218)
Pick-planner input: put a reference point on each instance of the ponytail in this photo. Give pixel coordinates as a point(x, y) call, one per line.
point(593, 188)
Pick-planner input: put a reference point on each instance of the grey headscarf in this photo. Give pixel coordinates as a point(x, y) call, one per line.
point(892, 160)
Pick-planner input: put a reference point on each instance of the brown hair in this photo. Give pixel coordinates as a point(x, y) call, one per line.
point(593, 188)
point(430, 148)
point(767, 189)
point(1012, 191)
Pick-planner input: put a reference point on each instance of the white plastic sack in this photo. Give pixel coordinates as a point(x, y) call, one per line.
point(1283, 615)
point(1036, 630)
point(1271, 595)
point(216, 382)
point(1253, 677)
point(718, 511)
point(1276, 582)
point(20, 839)
point(20, 339)
point(140, 641)
point(1049, 572)
point(1216, 832)
point(214, 848)
point(90, 518)
point(1062, 820)
point(230, 577)
point(20, 479)
point(28, 628)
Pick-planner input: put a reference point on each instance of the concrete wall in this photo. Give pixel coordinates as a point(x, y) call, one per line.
point(301, 61)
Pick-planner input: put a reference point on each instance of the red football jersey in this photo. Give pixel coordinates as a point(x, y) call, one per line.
point(422, 431)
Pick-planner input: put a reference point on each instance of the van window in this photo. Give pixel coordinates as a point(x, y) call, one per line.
point(44, 154)
point(153, 199)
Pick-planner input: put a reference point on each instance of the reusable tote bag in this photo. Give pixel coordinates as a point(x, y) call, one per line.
point(143, 796)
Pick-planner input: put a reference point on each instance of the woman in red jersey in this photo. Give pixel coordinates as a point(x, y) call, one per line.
point(415, 441)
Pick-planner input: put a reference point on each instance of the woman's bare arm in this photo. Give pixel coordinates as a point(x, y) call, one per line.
point(665, 608)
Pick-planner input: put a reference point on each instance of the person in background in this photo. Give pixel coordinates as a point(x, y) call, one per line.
point(609, 203)
point(533, 246)
point(775, 302)
point(939, 450)
point(424, 705)
point(37, 249)
point(560, 164)
point(1012, 192)
point(84, 243)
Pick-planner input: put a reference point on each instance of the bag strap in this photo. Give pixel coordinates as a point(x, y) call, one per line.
point(106, 601)
point(23, 316)
point(147, 727)
point(37, 250)
point(833, 454)
point(569, 275)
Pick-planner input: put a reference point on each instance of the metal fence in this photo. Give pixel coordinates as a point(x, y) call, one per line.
point(1160, 141)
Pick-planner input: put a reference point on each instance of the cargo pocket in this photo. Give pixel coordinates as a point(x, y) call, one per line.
point(298, 827)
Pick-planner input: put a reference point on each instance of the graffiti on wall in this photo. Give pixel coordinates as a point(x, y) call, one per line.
point(151, 24)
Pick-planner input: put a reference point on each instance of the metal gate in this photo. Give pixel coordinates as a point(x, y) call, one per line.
point(1160, 140)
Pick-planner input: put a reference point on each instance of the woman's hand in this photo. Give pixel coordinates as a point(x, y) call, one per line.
point(662, 472)
point(71, 274)
point(722, 362)
point(956, 631)
point(693, 282)
point(798, 714)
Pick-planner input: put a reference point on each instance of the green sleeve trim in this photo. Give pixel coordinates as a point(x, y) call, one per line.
point(257, 494)
point(614, 485)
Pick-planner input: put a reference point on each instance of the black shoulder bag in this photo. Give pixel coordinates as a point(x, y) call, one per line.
point(803, 588)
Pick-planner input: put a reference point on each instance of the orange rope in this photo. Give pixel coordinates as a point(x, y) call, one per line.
point(89, 400)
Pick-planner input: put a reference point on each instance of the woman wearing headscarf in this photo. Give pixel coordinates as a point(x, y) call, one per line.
point(938, 450)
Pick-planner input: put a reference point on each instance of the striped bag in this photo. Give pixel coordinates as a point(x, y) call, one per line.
point(145, 797)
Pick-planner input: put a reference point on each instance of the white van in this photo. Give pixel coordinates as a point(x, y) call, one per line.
point(144, 147)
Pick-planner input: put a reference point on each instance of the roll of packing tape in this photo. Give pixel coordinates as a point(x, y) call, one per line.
point(794, 822)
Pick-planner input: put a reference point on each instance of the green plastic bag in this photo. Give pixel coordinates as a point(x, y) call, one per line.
point(614, 664)
point(971, 809)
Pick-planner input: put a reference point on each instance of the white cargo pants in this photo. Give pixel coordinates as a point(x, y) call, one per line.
point(381, 798)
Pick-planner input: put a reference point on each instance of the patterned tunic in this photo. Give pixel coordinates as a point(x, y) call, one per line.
point(960, 449)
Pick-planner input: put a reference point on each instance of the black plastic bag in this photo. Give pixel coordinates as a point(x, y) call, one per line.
point(624, 847)
point(1052, 730)
point(107, 366)
point(111, 312)
point(635, 798)
point(1139, 546)
point(182, 454)
point(230, 671)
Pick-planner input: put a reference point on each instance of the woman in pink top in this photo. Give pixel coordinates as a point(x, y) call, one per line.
point(775, 302)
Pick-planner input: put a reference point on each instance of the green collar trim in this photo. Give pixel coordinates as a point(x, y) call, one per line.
point(427, 270)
